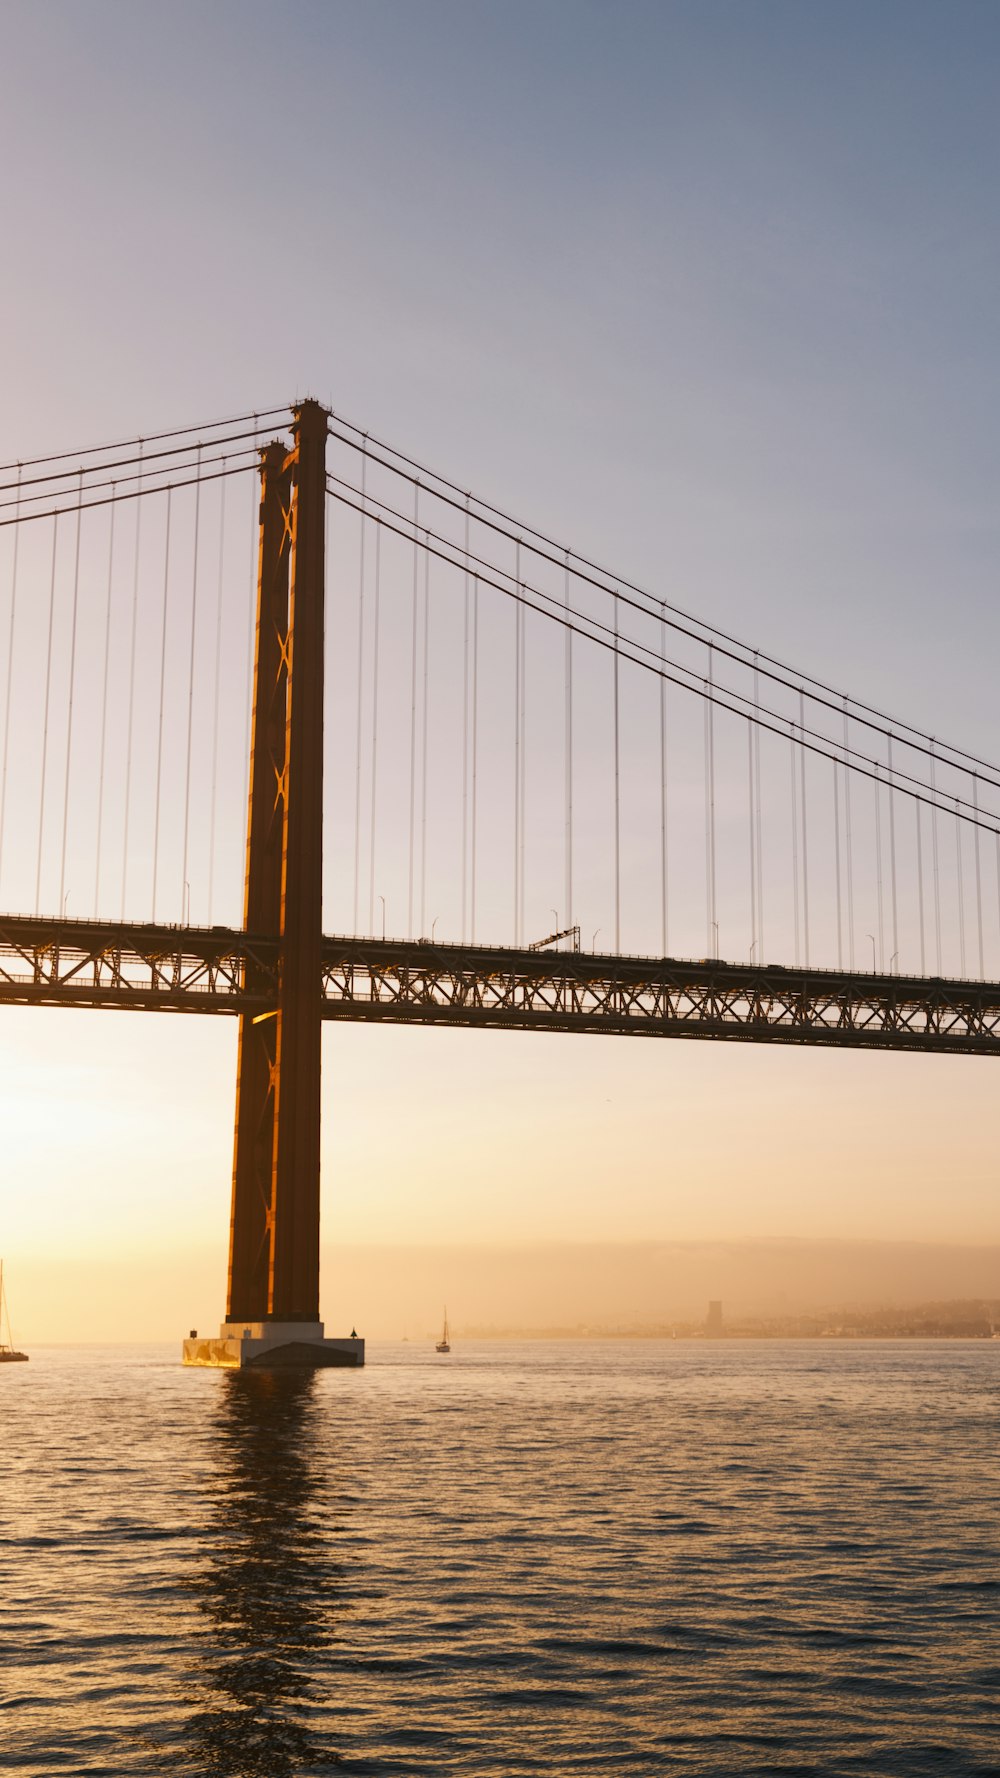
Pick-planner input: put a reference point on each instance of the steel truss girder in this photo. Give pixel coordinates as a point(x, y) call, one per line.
point(650, 997)
point(168, 968)
point(121, 965)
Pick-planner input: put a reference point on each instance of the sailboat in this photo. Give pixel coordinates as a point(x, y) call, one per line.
point(8, 1355)
point(443, 1343)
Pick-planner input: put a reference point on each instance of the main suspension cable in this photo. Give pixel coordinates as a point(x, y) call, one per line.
point(141, 459)
point(130, 494)
point(788, 676)
point(147, 438)
point(595, 629)
point(820, 746)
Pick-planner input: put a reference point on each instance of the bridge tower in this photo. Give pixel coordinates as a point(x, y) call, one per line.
point(272, 1308)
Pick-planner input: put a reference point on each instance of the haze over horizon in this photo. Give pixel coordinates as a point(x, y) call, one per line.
point(641, 285)
point(533, 1287)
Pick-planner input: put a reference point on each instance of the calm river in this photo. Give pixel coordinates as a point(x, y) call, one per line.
point(554, 1558)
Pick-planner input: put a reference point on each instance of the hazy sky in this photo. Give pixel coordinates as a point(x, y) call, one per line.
point(709, 289)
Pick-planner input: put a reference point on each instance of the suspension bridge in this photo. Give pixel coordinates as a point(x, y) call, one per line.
point(224, 642)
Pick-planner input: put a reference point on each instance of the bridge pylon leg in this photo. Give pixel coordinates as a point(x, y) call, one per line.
point(272, 1310)
point(250, 1224)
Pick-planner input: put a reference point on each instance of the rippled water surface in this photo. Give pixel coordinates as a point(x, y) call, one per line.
point(539, 1558)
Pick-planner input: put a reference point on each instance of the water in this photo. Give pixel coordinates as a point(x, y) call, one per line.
point(541, 1558)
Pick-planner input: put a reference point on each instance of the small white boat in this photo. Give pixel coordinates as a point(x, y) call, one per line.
point(443, 1344)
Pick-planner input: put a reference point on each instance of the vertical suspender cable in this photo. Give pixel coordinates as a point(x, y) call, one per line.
point(131, 680)
point(329, 635)
point(72, 690)
point(215, 701)
point(465, 728)
point(959, 886)
point(892, 866)
point(475, 755)
point(256, 493)
point(979, 876)
point(517, 744)
point(251, 633)
point(104, 704)
point(372, 796)
point(663, 789)
point(878, 870)
point(618, 836)
point(713, 911)
point(849, 840)
point(760, 848)
point(185, 880)
point(523, 770)
point(423, 750)
point(937, 866)
point(10, 663)
point(569, 752)
point(45, 718)
point(920, 884)
point(159, 738)
point(753, 846)
point(413, 708)
point(795, 838)
point(805, 831)
point(361, 668)
point(836, 862)
point(708, 842)
point(996, 839)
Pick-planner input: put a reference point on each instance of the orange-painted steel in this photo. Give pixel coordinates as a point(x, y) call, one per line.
point(253, 1147)
point(274, 1236)
point(293, 1282)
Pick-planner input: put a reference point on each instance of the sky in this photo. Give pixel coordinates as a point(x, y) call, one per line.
point(710, 290)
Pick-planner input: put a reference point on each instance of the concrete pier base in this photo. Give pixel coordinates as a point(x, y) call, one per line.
point(243, 1345)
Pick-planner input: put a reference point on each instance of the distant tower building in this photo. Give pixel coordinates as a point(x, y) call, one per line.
point(713, 1323)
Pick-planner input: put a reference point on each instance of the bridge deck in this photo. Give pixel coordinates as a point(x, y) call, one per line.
point(45, 962)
